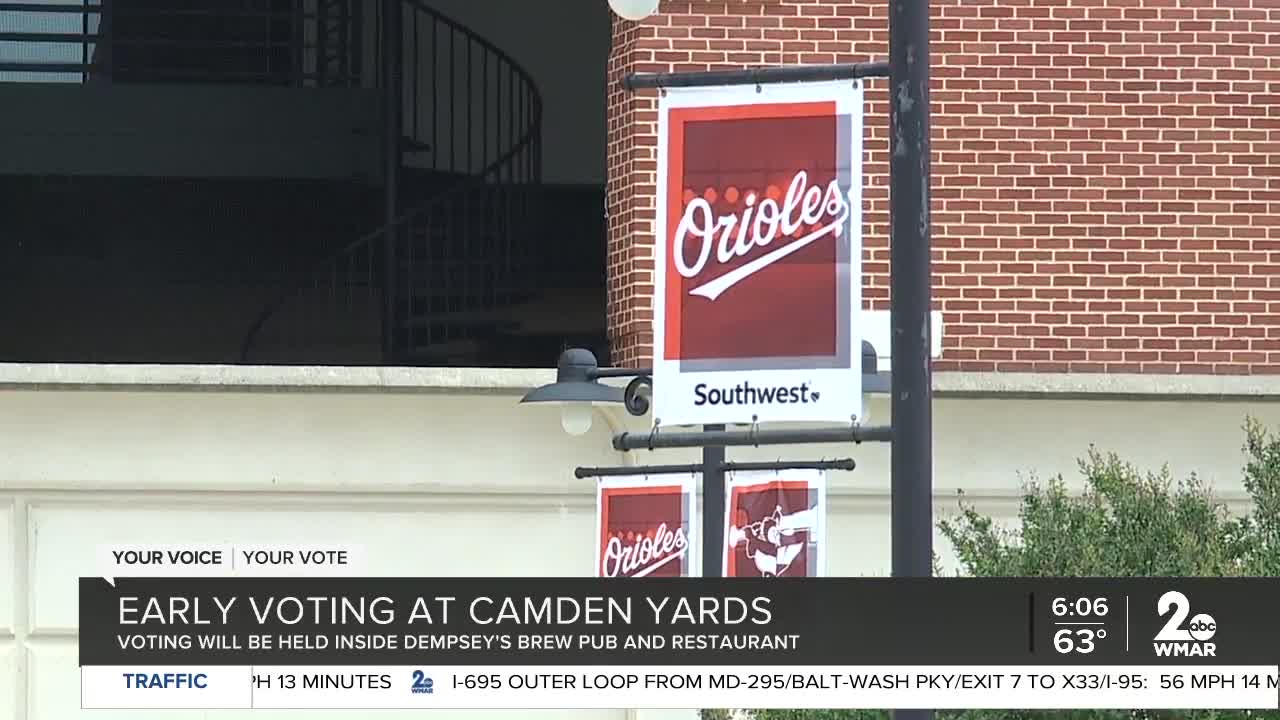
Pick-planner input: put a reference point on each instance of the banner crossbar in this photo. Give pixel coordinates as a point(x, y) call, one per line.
point(583, 473)
point(657, 439)
point(757, 76)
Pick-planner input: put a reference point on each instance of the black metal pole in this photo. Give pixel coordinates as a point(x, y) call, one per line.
point(757, 76)
point(392, 99)
point(717, 435)
point(619, 470)
point(712, 505)
point(911, 456)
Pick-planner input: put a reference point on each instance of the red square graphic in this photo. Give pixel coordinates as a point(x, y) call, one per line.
point(773, 526)
point(644, 532)
point(736, 159)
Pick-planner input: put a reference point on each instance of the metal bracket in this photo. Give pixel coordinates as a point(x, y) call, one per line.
point(757, 76)
point(737, 438)
point(590, 472)
point(637, 404)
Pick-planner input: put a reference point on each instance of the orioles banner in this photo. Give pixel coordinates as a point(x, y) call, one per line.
point(775, 524)
point(758, 254)
point(645, 526)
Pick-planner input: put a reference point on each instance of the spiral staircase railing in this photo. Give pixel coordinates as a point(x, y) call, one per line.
point(302, 43)
point(429, 285)
point(425, 288)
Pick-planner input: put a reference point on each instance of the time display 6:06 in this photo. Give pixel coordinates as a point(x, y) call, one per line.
point(1079, 639)
point(1080, 607)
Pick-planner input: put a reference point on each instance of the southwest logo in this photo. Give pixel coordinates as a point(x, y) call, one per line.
point(745, 393)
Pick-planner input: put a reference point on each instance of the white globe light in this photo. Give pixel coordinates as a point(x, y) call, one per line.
point(575, 417)
point(634, 9)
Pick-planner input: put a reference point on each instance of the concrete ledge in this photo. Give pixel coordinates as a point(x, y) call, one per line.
point(1107, 386)
point(1003, 502)
point(503, 381)
point(270, 378)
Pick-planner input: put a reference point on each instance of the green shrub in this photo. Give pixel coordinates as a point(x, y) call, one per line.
point(1125, 523)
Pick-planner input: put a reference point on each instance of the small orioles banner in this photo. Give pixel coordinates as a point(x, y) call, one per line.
point(775, 524)
point(645, 526)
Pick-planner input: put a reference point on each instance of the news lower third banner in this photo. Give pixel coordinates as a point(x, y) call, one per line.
point(671, 642)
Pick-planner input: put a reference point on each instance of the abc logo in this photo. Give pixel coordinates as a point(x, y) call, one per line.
point(1177, 629)
point(1202, 627)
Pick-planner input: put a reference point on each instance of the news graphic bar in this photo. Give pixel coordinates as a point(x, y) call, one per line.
point(660, 688)
point(476, 643)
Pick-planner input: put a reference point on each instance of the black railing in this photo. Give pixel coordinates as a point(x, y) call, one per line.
point(280, 42)
point(464, 251)
point(432, 284)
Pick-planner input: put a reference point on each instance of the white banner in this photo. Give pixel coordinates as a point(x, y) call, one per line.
point(646, 526)
point(758, 254)
point(749, 687)
point(775, 524)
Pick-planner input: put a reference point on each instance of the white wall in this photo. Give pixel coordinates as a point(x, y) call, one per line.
point(10, 680)
point(369, 470)
point(436, 482)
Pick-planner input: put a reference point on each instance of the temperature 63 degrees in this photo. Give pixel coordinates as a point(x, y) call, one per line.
point(1079, 623)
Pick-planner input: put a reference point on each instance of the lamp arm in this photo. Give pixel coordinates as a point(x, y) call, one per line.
point(636, 403)
point(598, 373)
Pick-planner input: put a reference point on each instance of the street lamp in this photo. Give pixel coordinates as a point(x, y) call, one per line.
point(576, 390)
point(910, 288)
point(634, 9)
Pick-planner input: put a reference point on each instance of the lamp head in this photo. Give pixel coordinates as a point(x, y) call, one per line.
point(575, 382)
point(575, 390)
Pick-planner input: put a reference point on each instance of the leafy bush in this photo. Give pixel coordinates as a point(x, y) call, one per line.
point(1125, 523)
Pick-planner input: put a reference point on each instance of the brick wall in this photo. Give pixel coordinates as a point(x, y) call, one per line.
point(1106, 192)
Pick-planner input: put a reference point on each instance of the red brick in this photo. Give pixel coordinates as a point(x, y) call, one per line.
point(1104, 173)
